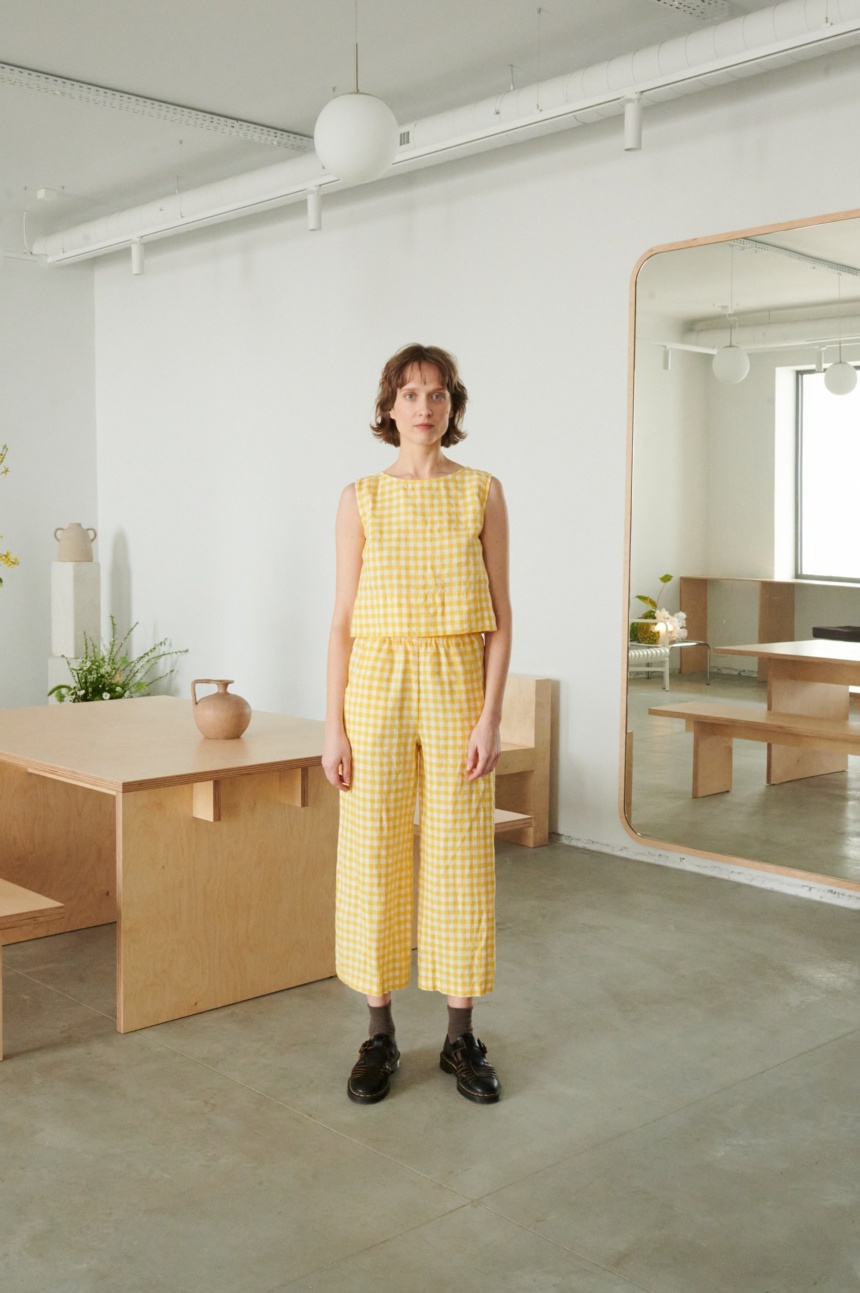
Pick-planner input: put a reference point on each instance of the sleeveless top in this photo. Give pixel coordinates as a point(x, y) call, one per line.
point(423, 572)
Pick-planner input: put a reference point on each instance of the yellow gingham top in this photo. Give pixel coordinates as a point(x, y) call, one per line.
point(423, 572)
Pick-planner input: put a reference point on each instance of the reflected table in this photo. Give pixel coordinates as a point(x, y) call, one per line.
point(809, 679)
point(215, 858)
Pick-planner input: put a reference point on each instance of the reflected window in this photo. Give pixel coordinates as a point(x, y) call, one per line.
point(828, 468)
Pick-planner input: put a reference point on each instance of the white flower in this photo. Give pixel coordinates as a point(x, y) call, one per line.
point(105, 695)
point(675, 624)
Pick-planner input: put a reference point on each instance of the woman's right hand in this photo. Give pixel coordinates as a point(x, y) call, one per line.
point(337, 760)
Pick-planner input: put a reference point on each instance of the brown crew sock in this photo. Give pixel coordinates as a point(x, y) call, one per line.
point(381, 1021)
point(459, 1021)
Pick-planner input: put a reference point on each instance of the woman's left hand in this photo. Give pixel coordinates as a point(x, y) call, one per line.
point(484, 749)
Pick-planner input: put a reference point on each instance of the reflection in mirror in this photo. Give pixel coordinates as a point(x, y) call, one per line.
point(746, 454)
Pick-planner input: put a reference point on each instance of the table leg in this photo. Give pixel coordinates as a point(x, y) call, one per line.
point(212, 912)
point(791, 691)
point(60, 840)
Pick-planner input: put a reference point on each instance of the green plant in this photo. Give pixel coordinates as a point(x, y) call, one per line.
point(6, 558)
point(643, 632)
point(106, 673)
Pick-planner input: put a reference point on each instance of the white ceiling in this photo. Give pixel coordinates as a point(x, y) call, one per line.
point(275, 62)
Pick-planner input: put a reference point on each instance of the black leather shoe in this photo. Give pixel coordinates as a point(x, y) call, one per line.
point(476, 1079)
point(370, 1078)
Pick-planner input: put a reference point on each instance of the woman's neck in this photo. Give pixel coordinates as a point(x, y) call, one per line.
point(413, 464)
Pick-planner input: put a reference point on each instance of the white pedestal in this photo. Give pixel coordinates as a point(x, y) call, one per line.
point(75, 606)
point(58, 671)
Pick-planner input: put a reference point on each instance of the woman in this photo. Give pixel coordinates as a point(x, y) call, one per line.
point(418, 658)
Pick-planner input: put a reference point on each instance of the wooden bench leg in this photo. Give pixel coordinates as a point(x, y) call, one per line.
point(712, 760)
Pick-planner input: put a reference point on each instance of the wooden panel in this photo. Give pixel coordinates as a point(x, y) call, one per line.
point(206, 801)
point(526, 720)
point(712, 760)
point(19, 906)
point(775, 617)
point(786, 693)
point(293, 785)
point(694, 603)
point(59, 840)
point(211, 916)
point(507, 824)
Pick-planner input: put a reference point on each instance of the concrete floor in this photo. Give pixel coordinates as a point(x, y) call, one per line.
point(810, 825)
point(679, 1057)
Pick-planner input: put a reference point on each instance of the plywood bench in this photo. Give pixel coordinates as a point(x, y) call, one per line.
point(716, 725)
point(522, 774)
point(21, 909)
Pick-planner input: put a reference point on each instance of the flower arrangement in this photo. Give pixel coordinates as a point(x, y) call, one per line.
point(105, 673)
point(6, 558)
point(666, 628)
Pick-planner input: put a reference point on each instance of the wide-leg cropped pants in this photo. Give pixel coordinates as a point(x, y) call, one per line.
point(409, 710)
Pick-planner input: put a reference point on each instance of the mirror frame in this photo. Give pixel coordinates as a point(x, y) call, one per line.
point(625, 746)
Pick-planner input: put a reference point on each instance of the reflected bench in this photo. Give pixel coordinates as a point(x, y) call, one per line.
point(716, 725)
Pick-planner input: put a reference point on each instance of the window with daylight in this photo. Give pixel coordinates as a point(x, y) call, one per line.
point(828, 470)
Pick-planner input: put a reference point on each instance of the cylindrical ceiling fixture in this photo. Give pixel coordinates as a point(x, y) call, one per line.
point(633, 123)
point(731, 365)
point(356, 137)
point(314, 208)
point(136, 256)
point(841, 378)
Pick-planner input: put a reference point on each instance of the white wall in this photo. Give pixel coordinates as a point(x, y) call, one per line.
point(48, 421)
point(236, 378)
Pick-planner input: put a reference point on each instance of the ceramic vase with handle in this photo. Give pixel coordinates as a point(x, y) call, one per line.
point(222, 716)
point(76, 543)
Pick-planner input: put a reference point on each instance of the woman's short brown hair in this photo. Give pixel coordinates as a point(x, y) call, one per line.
point(384, 428)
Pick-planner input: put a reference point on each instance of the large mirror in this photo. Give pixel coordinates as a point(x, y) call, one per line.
point(745, 463)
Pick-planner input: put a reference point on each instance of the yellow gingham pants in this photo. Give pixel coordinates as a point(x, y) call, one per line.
point(409, 709)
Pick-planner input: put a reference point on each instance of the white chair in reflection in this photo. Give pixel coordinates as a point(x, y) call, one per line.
point(642, 657)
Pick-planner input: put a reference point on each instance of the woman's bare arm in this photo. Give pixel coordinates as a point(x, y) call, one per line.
point(485, 742)
point(349, 538)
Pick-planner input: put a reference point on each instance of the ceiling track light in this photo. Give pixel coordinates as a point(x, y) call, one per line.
point(137, 256)
point(314, 208)
point(633, 123)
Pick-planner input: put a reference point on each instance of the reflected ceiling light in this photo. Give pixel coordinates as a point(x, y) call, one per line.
point(356, 135)
point(840, 378)
point(731, 365)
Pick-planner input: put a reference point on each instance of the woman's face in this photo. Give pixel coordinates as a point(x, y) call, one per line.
point(422, 408)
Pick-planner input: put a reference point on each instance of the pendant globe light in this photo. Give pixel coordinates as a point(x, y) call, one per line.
point(840, 378)
point(731, 363)
point(356, 135)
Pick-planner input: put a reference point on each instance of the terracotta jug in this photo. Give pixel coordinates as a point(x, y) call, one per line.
point(222, 716)
point(76, 543)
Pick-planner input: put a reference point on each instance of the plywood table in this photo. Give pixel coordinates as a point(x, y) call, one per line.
point(216, 858)
point(808, 678)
